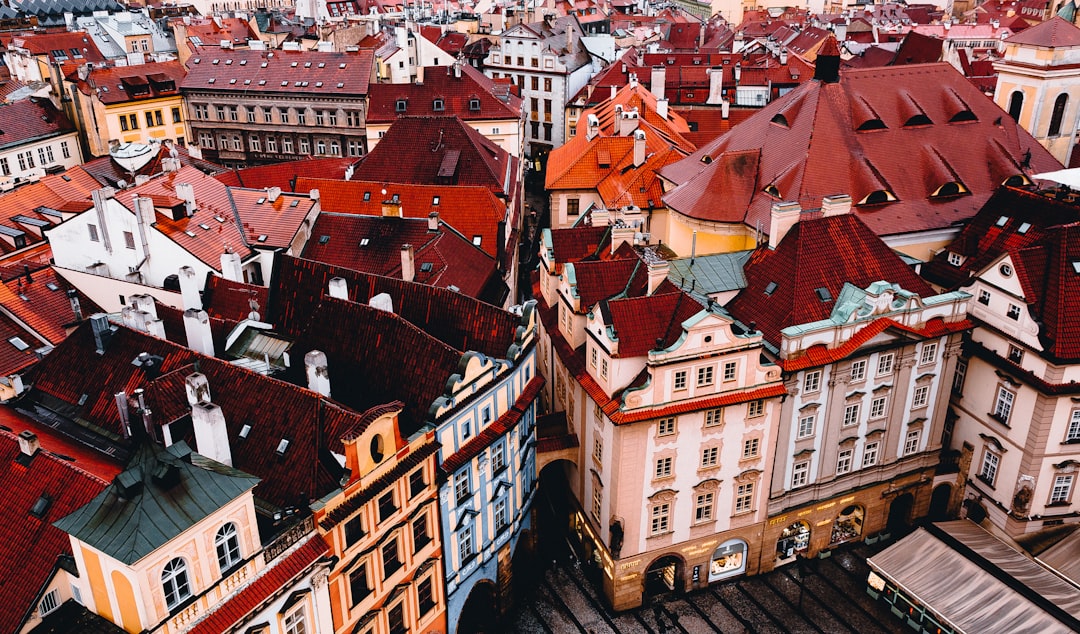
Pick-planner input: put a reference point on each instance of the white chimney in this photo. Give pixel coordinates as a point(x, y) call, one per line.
point(189, 288)
point(211, 433)
point(716, 86)
point(99, 196)
point(658, 81)
point(837, 205)
point(662, 108)
point(639, 147)
point(144, 207)
point(433, 222)
point(144, 303)
point(614, 90)
point(230, 266)
point(738, 73)
point(197, 328)
point(782, 218)
point(783, 56)
point(318, 374)
point(186, 193)
point(621, 234)
point(725, 109)
point(197, 388)
point(28, 443)
point(592, 126)
point(273, 193)
point(658, 270)
point(628, 122)
point(408, 263)
point(382, 302)
point(338, 288)
point(632, 80)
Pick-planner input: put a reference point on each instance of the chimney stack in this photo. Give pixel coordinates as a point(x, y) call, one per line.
point(197, 328)
point(99, 196)
point(592, 126)
point(103, 331)
point(186, 193)
point(628, 122)
point(211, 433)
point(725, 109)
point(662, 108)
point(658, 81)
point(318, 373)
point(189, 288)
point(197, 388)
point(639, 147)
point(716, 86)
point(76, 307)
point(408, 263)
point(836, 205)
point(782, 218)
point(28, 443)
point(391, 208)
point(658, 270)
point(433, 222)
point(230, 266)
point(338, 288)
point(273, 193)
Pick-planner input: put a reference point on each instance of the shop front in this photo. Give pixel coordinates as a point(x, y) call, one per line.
point(794, 540)
point(848, 525)
point(728, 560)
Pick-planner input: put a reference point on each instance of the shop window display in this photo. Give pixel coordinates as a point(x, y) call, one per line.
point(794, 539)
point(848, 525)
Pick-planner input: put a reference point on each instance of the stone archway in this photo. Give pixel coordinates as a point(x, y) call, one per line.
point(900, 514)
point(664, 575)
point(480, 613)
point(939, 503)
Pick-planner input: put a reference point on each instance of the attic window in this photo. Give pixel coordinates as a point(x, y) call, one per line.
point(1023, 228)
point(307, 64)
point(294, 64)
point(364, 242)
point(1016, 180)
point(215, 62)
point(435, 200)
point(426, 267)
point(917, 120)
point(952, 188)
point(284, 83)
point(780, 119)
point(367, 196)
point(82, 399)
point(341, 84)
point(41, 506)
point(1076, 266)
point(190, 234)
point(260, 201)
point(341, 65)
point(771, 190)
point(209, 81)
point(282, 446)
point(476, 240)
point(823, 294)
point(438, 105)
point(262, 82)
point(204, 226)
point(878, 197)
point(243, 62)
point(52, 287)
point(474, 105)
point(324, 239)
point(322, 64)
point(232, 81)
point(263, 65)
point(706, 159)
point(872, 124)
point(19, 344)
point(1002, 221)
point(963, 116)
point(228, 62)
point(261, 238)
point(219, 219)
point(245, 430)
point(318, 84)
point(401, 105)
point(770, 288)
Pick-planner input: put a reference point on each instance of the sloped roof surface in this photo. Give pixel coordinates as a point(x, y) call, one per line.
point(43, 304)
point(31, 120)
point(924, 126)
point(286, 174)
point(456, 94)
point(281, 71)
point(816, 253)
point(109, 84)
point(1056, 32)
point(1050, 275)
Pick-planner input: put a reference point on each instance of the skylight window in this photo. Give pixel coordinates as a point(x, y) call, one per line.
point(435, 201)
point(367, 196)
point(52, 287)
point(1023, 228)
point(318, 84)
point(341, 84)
point(1002, 221)
point(190, 234)
point(219, 219)
point(204, 227)
point(364, 242)
point(322, 64)
point(294, 64)
point(41, 506)
point(341, 65)
point(260, 201)
point(823, 294)
point(476, 240)
point(324, 239)
point(282, 446)
point(261, 238)
point(770, 288)
point(295, 202)
point(245, 430)
point(426, 267)
point(19, 344)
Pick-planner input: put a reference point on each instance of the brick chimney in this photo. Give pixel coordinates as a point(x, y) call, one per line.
point(338, 288)
point(28, 443)
point(189, 288)
point(318, 373)
point(197, 329)
point(658, 81)
point(782, 218)
point(408, 263)
point(391, 208)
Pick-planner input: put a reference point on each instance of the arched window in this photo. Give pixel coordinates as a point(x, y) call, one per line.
point(174, 581)
point(1059, 114)
point(228, 547)
point(1016, 104)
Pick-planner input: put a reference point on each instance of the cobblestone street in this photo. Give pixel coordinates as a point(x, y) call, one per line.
point(833, 599)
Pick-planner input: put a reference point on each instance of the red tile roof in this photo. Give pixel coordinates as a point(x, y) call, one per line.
point(457, 95)
point(819, 355)
point(232, 301)
point(31, 120)
point(271, 72)
point(286, 174)
point(109, 173)
point(450, 258)
point(235, 30)
point(818, 252)
point(269, 223)
point(1056, 32)
point(808, 146)
point(46, 43)
point(578, 243)
point(439, 150)
point(121, 84)
point(495, 430)
point(641, 322)
point(31, 545)
point(470, 209)
point(43, 304)
point(269, 583)
point(1048, 272)
point(68, 192)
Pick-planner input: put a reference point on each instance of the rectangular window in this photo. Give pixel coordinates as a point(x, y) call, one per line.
point(320, 147)
point(283, 115)
point(1013, 312)
point(929, 354)
point(420, 534)
point(744, 497)
point(843, 461)
point(320, 117)
point(502, 519)
point(158, 120)
point(123, 123)
point(806, 426)
point(710, 457)
point(1003, 405)
point(221, 113)
point(49, 602)
point(705, 376)
point(920, 397)
point(176, 115)
point(1016, 355)
point(800, 473)
point(268, 116)
point(665, 427)
point(391, 559)
point(1073, 433)
point(885, 364)
point(573, 206)
point(64, 149)
point(461, 486)
point(603, 368)
point(93, 232)
point(714, 417)
point(547, 84)
point(45, 155)
point(358, 584)
point(730, 368)
point(659, 518)
point(663, 467)
point(984, 297)
point(354, 530)
point(851, 414)
point(911, 443)
point(425, 597)
point(295, 623)
point(755, 409)
point(356, 148)
point(149, 118)
point(988, 472)
point(858, 370)
point(703, 506)
point(593, 356)
point(305, 145)
point(465, 544)
point(877, 407)
point(869, 456)
point(498, 458)
point(5, 167)
point(955, 258)
point(286, 145)
point(255, 143)
point(395, 618)
point(352, 117)
point(1062, 488)
point(129, 240)
point(535, 83)
point(680, 380)
point(301, 117)
point(958, 378)
point(271, 144)
point(750, 447)
point(387, 507)
point(812, 381)
point(331, 117)
point(597, 499)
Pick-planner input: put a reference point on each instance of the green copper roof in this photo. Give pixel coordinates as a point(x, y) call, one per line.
point(711, 273)
point(161, 493)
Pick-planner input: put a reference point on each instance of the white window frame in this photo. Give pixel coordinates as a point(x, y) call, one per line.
point(812, 381)
point(1003, 404)
point(806, 426)
point(851, 413)
point(911, 441)
point(800, 474)
point(751, 448)
point(843, 461)
point(885, 364)
point(659, 518)
point(714, 417)
point(744, 497)
point(731, 369)
point(858, 370)
point(666, 426)
point(1061, 490)
point(175, 583)
point(1072, 432)
point(679, 382)
point(705, 376)
point(870, 454)
point(920, 397)
point(710, 457)
point(663, 467)
point(878, 407)
point(703, 507)
point(227, 546)
point(928, 354)
point(989, 467)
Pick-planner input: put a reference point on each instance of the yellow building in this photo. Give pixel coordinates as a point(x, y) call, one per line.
point(128, 104)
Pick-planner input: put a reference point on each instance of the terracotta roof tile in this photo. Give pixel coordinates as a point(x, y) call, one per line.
point(46, 43)
point(232, 301)
point(1051, 282)
point(281, 71)
point(1056, 32)
point(457, 95)
point(43, 304)
point(31, 120)
point(495, 430)
point(121, 84)
point(286, 174)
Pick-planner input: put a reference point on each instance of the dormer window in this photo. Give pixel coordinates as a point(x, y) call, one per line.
point(878, 197)
point(823, 294)
point(770, 288)
point(401, 105)
point(952, 188)
point(963, 116)
point(917, 120)
point(872, 124)
point(438, 105)
point(955, 258)
point(474, 105)
point(780, 120)
point(773, 191)
point(1016, 180)
point(41, 506)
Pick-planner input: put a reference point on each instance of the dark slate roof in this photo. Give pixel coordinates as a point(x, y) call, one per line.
point(161, 493)
point(73, 618)
point(818, 252)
